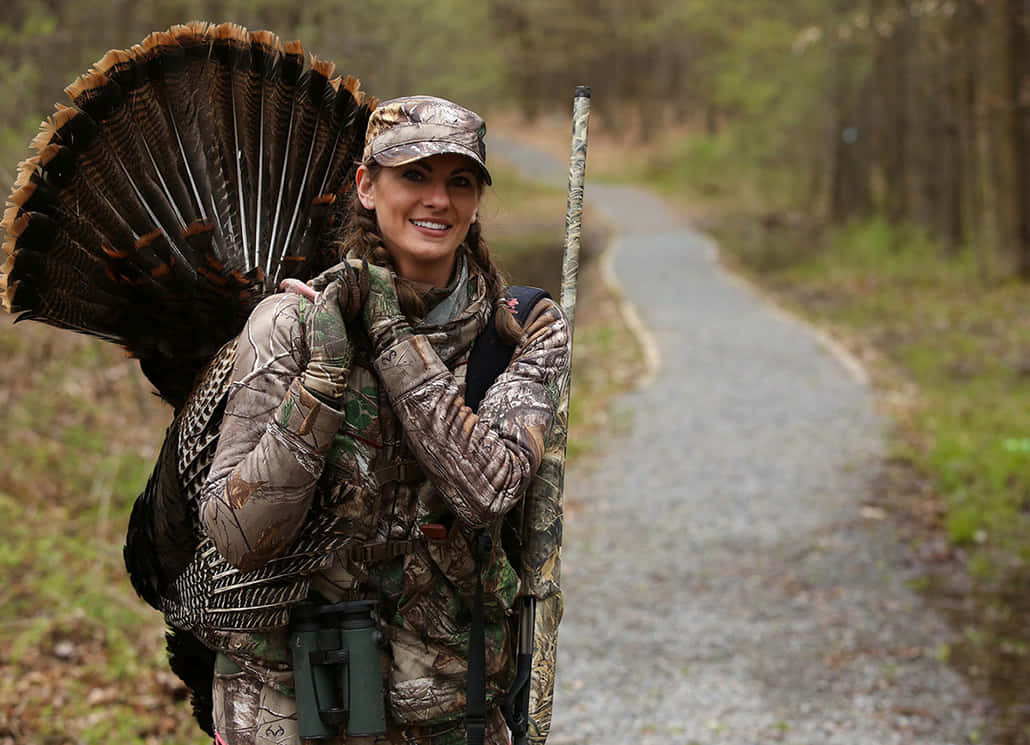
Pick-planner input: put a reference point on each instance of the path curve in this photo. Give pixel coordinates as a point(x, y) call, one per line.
point(723, 584)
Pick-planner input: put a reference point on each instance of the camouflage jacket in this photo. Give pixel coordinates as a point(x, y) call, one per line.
point(303, 496)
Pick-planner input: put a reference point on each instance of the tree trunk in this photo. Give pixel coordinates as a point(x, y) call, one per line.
point(1019, 80)
point(966, 26)
point(891, 71)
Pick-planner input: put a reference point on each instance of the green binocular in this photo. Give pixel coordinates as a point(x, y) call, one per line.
point(337, 670)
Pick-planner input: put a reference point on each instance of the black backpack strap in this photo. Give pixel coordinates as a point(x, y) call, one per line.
point(488, 359)
point(475, 683)
point(490, 355)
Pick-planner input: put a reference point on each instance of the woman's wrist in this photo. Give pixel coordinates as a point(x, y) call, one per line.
point(305, 417)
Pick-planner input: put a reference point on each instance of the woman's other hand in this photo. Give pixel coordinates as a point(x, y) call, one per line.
point(297, 287)
point(331, 352)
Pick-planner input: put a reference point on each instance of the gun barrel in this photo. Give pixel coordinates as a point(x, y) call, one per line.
point(574, 211)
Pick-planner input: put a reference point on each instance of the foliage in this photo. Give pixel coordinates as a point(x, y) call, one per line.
point(80, 655)
point(839, 110)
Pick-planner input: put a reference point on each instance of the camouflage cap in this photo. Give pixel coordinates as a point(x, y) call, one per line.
point(403, 130)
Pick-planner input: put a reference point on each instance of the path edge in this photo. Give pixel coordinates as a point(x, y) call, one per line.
point(838, 351)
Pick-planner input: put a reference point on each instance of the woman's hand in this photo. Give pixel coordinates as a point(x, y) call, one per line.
point(352, 291)
point(296, 287)
point(331, 351)
point(384, 320)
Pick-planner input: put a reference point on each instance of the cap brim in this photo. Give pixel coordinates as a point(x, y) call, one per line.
point(409, 152)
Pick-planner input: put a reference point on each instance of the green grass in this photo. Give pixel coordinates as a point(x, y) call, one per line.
point(81, 657)
point(720, 171)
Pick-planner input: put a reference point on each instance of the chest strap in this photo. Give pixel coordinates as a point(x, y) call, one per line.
point(375, 552)
point(490, 355)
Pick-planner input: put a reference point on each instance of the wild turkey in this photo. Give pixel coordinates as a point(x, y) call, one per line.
point(192, 173)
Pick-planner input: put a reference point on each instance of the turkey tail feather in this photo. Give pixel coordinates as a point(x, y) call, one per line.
point(191, 173)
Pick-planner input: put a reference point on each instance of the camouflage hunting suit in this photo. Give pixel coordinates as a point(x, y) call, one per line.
point(302, 498)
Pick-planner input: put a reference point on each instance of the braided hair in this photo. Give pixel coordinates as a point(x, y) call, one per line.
point(361, 239)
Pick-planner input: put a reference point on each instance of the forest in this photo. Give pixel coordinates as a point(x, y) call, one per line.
point(867, 163)
point(910, 109)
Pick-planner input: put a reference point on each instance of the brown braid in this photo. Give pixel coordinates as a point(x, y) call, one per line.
point(507, 327)
point(361, 240)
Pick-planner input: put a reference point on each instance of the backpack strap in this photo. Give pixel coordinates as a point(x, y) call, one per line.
point(488, 359)
point(490, 356)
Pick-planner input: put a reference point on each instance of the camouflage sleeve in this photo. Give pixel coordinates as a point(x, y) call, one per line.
point(272, 442)
point(481, 464)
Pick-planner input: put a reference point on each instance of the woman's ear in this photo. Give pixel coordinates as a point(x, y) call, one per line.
point(366, 187)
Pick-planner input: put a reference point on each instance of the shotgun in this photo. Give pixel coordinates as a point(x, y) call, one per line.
point(528, 719)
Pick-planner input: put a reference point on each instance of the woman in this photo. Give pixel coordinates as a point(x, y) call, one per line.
point(346, 433)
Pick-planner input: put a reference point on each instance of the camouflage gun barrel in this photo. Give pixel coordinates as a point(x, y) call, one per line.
point(574, 211)
point(530, 701)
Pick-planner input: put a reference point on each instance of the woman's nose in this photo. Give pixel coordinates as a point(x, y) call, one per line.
point(436, 194)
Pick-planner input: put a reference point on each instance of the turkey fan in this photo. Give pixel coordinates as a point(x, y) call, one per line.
point(192, 173)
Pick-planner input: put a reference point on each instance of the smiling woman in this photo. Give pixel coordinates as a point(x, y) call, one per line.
point(352, 487)
point(326, 513)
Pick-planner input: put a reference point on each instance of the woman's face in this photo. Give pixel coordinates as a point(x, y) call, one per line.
point(424, 210)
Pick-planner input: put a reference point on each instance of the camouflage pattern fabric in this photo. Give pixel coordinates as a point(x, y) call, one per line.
point(540, 570)
point(403, 130)
point(249, 712)
point(401, 452)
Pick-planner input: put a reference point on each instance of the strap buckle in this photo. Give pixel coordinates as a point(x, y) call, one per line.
point(475, 730)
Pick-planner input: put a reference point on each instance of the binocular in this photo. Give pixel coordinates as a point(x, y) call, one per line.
point(337, 670)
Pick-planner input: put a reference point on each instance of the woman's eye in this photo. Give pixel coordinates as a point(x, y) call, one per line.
point(413, 174)
point(461, 181)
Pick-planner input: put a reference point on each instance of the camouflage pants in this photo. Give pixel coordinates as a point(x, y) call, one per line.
point(249, 712)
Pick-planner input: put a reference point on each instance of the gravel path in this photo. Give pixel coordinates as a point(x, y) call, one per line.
point(722, 585)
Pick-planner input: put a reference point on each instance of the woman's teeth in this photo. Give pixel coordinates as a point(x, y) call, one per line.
point(430, 225)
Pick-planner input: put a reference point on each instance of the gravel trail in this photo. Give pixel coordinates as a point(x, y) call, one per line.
point(723, 586)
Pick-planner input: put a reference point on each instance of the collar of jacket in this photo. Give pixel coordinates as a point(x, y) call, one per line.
point(453, 338)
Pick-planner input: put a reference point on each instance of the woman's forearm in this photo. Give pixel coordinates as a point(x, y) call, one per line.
point(272, 444)
point(481, 463)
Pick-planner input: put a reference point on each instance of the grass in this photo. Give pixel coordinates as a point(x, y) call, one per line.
point(81, 657)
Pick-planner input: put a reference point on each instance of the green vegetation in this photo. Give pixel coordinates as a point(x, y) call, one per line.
point(81, 657)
